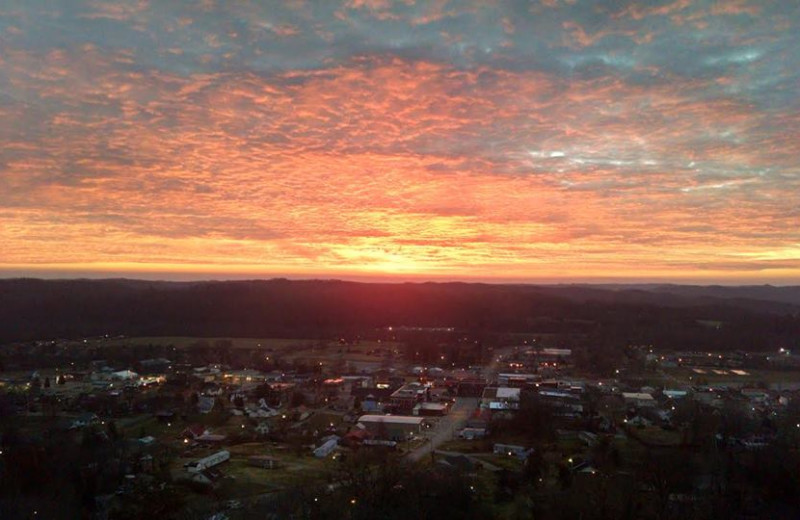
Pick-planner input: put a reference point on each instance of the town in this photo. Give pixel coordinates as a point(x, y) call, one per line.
point(525, 425)
point(399, 260)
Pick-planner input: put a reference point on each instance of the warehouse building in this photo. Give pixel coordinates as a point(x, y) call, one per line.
point(392, 427)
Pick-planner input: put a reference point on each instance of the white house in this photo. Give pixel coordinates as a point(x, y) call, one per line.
point(638, 399)
point(215, 459)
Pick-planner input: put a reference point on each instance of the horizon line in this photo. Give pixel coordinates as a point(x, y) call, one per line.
point(186, 277)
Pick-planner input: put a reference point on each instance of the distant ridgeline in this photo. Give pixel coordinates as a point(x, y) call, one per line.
point(750, 317)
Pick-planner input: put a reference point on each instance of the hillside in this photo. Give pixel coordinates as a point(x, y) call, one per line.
point(751, 317)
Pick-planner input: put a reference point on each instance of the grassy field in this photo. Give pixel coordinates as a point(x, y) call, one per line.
point(631, 451)
point(243, 481)
point(142, 425)
point(306, 350)
point(655, 436)
point(323, 420)
point(751, 378)
point(250, 480)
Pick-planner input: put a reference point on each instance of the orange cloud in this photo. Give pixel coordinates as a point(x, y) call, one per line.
point(387, 165)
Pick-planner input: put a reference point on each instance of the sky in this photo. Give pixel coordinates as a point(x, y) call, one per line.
point(550, 140)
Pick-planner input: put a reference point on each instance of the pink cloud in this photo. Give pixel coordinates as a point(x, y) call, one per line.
point(390, 164)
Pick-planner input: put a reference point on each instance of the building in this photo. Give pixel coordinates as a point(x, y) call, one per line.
point(675, 394)
point(431, 409)
point(472, 433)
point(212, 438)
point(194, 431)
point(205, 463)
point(392, 427)
point(208, 478)
point(517, 380)
point(638, 399)
point(354, 438)
point(407, 396)
point(242, 377)
point(500, 398)
point(371, 404)
point(205, 404)
point(83, 420)
point(521, 452)
point(326, 448)
point(262, 428)
point(563, 404)
point(124, 375)
point(553, 355)
point(372, 399)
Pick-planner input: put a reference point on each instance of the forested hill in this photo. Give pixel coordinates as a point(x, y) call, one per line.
point(742, 317)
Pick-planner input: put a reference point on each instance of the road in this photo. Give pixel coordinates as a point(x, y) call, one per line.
point(446, 427)
point(498, 357)
point(461, 410)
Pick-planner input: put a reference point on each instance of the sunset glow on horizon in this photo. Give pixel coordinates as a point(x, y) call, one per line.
point(512, 141)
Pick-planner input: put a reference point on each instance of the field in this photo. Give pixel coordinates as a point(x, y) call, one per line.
point(324, 420)
point(295, 469)
point(308, 349)
point(186, 342)
point(242, 480)
point(655, 436)
point(733, 377)
point(466, 446)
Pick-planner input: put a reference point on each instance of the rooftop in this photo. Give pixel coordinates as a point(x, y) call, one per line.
point(391, 419)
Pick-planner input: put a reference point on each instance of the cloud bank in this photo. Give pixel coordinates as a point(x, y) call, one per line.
point(484, 140)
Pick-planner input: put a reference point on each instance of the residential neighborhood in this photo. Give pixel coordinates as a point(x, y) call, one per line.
point(238, 428)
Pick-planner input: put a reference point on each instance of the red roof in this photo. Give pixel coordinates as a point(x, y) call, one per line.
point(358, 435)
point(194, 431)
